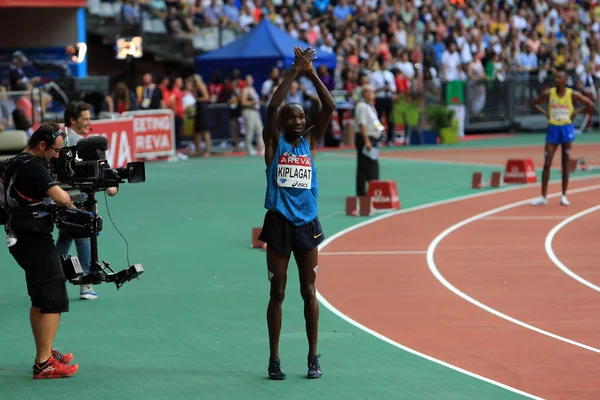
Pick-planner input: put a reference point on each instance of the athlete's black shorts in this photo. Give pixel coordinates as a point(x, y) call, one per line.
point(281, 234)
point(46, 282)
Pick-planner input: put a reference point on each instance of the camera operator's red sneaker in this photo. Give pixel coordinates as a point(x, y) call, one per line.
point(63, 358)
point(53, 369)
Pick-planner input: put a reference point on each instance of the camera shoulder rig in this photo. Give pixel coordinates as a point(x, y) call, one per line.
point(36, 218)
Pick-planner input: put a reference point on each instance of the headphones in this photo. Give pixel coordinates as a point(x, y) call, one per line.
point(51, 137)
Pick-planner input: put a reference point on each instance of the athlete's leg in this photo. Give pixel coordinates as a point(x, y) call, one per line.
point(307, 272)
point(277, 264)
point(566, 155)
point(549, 151)
point(307, 262)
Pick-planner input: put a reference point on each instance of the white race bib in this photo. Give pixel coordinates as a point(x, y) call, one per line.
point(294, 171)
point(558, 113)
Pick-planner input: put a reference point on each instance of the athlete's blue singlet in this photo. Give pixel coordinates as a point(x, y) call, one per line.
point(292, 187)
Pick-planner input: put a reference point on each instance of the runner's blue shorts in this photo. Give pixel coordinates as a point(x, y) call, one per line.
point(559, 134)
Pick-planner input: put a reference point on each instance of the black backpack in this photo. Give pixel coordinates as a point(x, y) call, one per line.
point(8, 169)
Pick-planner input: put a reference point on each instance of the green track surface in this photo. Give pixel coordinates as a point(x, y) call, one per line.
point(194, 325)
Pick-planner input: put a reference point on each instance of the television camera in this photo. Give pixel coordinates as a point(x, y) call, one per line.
point(84, 167)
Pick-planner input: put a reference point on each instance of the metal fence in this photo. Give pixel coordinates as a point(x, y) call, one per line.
point(492, 105)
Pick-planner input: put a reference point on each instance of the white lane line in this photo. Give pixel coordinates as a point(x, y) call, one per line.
point(371, 253)
point(555, 260)
point(358, 325)
point(523, 217)
point(434, 270)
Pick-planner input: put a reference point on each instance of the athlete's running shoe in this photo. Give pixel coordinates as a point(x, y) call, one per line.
point(314, 369)
point(53, 369)
point(275, 371)
point(564, 201)
point(540, 201)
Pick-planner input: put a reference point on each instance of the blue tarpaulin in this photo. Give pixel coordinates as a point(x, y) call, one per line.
point(256, 53)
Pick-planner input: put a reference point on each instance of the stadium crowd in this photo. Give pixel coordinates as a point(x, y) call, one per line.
point(387, 43)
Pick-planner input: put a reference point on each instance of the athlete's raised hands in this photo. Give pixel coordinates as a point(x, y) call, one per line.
point(304, 58)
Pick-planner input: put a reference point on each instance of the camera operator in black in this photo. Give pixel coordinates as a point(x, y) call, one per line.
point(27, 182)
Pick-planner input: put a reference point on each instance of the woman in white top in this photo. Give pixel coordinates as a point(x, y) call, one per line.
point(477, 89)
point(250, 102)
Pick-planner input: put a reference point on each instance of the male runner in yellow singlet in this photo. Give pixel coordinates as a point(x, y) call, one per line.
point(560, 130)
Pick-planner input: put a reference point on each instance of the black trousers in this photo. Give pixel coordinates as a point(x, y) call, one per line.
point(366, 168)
point(386, 105)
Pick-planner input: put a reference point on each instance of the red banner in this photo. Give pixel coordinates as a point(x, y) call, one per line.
point(121, 140)
point(154, 132)
point(43, 3)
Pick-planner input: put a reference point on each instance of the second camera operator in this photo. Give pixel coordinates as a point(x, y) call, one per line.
point(77, 121)
point(27, 184)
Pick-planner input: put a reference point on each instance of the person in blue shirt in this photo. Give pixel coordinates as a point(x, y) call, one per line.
point(291, 224)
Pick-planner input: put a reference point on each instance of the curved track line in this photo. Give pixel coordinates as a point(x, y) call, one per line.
point(552, 256)
point(448, 285)
point(358, 325)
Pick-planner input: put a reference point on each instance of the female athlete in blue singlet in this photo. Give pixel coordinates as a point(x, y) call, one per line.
point(291, 224)
point(560, 130)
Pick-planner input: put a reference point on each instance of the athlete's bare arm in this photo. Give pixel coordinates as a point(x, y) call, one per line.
point(326, 108)
point(270, 131)
point(542, 97)
point(587, 103)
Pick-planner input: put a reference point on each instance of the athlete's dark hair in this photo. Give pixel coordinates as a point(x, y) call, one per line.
point(74, 111)
point(288, 106)
point(47, 132)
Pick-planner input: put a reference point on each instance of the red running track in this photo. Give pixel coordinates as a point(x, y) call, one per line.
point(498, 260)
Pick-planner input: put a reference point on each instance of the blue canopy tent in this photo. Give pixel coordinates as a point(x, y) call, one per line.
point(256, 53)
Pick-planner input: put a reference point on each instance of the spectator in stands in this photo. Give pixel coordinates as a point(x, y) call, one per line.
point(451, 63)
point(215, 87)
point(406, 66)
point(7, 105)
point(130, 12)
point(177, 23)
point(202, 120)
point(24, 114)
point(237, 75)
point(149, 96)
point(267, 85)
point(122, 100)
point(383, 83)
point(326, 78)
point(294, 95)
point(16, 74)
point(231, 95)
point(231, 12)
point(176, 104)
point(250, 104)
point(163, 86)
point(477, 87)
point(587, 86)
point(213, 13)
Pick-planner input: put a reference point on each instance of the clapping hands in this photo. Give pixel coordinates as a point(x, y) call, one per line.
point(304, 59)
